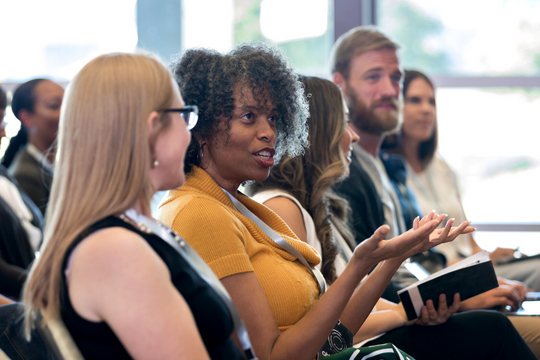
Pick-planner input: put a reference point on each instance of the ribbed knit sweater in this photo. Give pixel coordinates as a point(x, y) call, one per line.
point(231, 244)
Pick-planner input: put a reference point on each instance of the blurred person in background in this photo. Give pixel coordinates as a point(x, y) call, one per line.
point(30, 155)
point(300, 191)
point(3, 106)
point(21, 223)
point(434, 184)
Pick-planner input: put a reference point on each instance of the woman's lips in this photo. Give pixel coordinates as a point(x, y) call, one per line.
point(265, 157)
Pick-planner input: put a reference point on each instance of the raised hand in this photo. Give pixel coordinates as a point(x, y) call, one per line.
point(376, 249)
point(439, 236)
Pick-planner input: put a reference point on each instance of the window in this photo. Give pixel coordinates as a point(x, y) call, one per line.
point(484, 57)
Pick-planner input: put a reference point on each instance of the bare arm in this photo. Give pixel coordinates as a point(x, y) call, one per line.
point(116, 277)
point(304, 339)
point(290, 213)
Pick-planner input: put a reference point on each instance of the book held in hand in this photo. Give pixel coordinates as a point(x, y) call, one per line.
point(469, 277)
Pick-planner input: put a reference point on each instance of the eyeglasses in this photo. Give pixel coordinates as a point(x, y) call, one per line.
point(190, 113)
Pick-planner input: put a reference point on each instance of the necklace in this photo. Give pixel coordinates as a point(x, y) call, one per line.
point(148, 226)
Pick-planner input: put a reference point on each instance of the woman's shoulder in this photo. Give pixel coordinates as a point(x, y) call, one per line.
point(183, 205)
point(440, 165)
point(110, 244)
point(269, 194)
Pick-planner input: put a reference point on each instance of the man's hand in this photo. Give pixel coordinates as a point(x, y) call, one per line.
point(509, 293)
point(501, 254)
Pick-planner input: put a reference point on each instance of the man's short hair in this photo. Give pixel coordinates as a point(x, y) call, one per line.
point(354, 42)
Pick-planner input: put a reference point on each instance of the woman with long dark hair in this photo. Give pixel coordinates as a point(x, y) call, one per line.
point(30, 155)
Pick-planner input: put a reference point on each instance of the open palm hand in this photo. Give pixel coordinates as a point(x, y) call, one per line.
point(376, 249)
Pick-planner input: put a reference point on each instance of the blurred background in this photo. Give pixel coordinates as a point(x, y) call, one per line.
point(484, 56)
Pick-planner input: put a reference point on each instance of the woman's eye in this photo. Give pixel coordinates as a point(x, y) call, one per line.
point(413, 100)
point(273, 118)
point(247, 116)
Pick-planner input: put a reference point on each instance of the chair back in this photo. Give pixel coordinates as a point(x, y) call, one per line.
point(13, 344)
point(59, 340)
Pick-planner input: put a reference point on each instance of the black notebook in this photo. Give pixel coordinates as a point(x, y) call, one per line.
point(469, 277)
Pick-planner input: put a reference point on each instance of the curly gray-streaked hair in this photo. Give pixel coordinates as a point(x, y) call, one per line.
point(207, 79)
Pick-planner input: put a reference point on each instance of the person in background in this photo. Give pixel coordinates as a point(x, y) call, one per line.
point(3, 106)
point(36, 104)
point(300, 191)
point(434, 183)
point(366, 67)
point(21, 226)
point(106, 269)
point(253, 111)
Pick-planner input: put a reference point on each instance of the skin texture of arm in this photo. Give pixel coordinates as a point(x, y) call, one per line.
point(116, 277)
point(290, 213)
point(357, 307)
point(357, 317)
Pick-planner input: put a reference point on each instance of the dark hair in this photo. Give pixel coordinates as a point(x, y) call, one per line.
point(427, 149)
point(207, 79)
point(3, 99)
point(393, 143)
point(309, 177)
point(23, 99)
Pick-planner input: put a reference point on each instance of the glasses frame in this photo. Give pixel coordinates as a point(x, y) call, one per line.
point(186, 113)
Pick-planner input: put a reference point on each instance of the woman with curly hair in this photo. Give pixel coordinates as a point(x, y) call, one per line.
point(253, 112)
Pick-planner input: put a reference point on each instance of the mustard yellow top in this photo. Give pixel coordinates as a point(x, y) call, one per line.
point(231, 244)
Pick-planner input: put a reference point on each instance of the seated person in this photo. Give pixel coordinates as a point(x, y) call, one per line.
point(306, 201)
point(36, 104)
point(120, 283)
point(21, 224)
point(433, 182)
point(253, 111)
point(365, 66)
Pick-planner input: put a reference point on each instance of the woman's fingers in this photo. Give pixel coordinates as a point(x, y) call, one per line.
point(372, 243)
point(455, 305)
point(444, 233)
point(431, 310)
point(459, 230)
point(423, 319)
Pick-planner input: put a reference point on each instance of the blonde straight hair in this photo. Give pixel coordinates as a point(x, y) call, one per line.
point(103, 161)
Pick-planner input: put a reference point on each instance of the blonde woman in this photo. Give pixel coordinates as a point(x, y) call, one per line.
point(121, 290)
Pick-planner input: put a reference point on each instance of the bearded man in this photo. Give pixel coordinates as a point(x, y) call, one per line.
point(365, 65)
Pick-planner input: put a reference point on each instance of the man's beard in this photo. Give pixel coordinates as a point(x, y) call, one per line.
point(369, 121)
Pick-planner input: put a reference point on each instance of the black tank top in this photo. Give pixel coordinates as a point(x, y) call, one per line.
point(96, 340)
